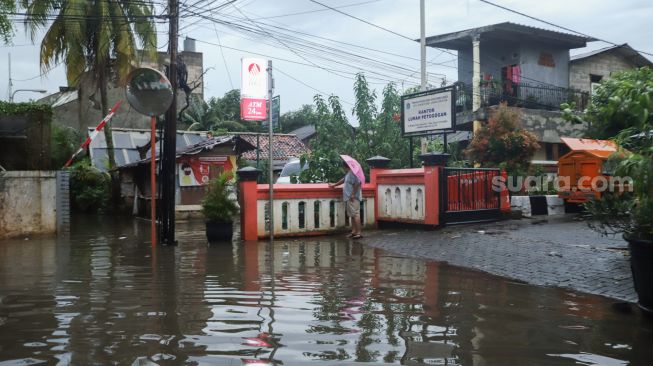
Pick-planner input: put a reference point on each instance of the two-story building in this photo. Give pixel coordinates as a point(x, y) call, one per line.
point(530, 68)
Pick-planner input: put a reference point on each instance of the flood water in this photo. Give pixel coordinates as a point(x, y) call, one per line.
point(103, 296)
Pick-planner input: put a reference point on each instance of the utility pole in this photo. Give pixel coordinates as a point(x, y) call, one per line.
point(422, 44)
point(168, 158)
point(270, 157)
point(11, 85)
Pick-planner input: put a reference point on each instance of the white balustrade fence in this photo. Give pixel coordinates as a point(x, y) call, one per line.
point(401, 201)
point(309, 215)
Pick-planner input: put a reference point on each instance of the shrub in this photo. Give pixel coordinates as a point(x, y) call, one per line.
point(503, 143)
point(217, 206)
point(89, 187)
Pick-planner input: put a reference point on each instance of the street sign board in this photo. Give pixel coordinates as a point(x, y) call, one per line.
point(253, 89)
point(428, 112)
point(276, 113)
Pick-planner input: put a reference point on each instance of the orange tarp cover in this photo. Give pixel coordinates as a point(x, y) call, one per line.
point(599, 148)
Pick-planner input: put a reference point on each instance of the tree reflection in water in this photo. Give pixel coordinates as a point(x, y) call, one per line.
point(104, 296)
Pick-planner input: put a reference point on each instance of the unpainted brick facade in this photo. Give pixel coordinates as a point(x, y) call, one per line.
point(603, 64)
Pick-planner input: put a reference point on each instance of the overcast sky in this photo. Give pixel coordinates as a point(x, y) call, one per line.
point(625, 21)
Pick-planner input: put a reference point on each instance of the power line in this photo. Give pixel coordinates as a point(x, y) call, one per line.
point(308, 86)
point(321, 48)
point(223, 58)
point(556, 25)
point(364, 21)
point(317, 11)
point(413, 40)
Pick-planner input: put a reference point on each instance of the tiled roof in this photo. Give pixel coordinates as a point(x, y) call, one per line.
point(284, 146)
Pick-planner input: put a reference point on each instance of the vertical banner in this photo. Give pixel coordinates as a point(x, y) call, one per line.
point(253, 89)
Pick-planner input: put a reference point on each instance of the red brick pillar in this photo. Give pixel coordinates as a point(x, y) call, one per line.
point(378, 164)
point(433, 165)
point(247, 198)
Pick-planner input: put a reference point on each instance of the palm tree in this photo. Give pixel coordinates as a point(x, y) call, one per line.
point(93, 38)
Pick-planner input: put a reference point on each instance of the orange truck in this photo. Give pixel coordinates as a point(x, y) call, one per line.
point(581, 167)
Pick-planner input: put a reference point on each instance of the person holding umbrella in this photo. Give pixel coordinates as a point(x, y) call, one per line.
point(352, 193)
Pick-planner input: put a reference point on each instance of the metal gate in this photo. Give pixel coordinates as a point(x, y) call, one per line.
point(468, 195)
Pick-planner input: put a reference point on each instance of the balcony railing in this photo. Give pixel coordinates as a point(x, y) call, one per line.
point(523, 95)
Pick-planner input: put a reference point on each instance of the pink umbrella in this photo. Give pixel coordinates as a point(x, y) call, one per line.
point(355, 167)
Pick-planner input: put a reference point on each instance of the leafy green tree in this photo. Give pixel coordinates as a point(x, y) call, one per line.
point(378, 133)
point(334, 137)
point(226, 108)
point(503, 143)
point(621, 102)
point(622, 109)
point(96, 38)
point(6, 28)
point(304, 116)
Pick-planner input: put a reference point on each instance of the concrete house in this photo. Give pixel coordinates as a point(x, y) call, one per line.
point(526, 67)
point(530, 68)
point(587, 70)
point(79, 108)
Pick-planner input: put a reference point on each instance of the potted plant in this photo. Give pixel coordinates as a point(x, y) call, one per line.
point(219, 209)
point(631, 212)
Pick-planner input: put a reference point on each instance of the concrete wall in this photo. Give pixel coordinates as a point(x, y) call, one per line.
point(557, 75)
point(555, 205)
point(549, 126)
point(604, 64)
point(88, 114)
point(27, 203)
point(495, 55)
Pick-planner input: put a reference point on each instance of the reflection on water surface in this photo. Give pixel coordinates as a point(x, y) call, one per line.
point(103, 296)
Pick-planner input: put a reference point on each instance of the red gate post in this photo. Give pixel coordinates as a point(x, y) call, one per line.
point(433, 165)
point(378, 164)
point(247, 199)
point(505, 195)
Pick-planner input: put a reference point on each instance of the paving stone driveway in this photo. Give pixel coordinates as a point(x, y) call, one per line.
point(550, 251)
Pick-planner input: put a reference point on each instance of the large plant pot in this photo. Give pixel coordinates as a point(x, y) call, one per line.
point(217, 231)
point(641, 264)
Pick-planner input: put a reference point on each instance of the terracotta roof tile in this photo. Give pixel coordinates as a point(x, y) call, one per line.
point(285, 146)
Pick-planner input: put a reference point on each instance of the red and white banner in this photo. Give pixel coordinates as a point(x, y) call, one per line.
point(93, 134)
point(197, 171)
point(253, 89)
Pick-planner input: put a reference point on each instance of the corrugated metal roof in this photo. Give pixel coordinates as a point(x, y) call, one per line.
point(126, 142)
point(240, 145)
point(506, 31)
point(624, 49)
point(64, 98)
point(304, 132)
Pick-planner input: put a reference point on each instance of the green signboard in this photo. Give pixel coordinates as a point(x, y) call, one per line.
point(276, 113)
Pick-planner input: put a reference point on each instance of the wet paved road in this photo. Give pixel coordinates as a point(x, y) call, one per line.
point(104, 297)
point(556, 251)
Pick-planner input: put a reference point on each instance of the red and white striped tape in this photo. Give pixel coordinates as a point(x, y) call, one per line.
point(93, 134)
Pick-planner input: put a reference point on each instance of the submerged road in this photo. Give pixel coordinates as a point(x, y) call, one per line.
point(549, 251)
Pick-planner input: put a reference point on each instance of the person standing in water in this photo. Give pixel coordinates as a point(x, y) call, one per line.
point(352, 195)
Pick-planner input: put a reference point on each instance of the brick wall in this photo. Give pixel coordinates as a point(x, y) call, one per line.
point(604, 64)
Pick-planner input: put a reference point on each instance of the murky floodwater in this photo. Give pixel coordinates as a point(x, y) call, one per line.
point(105, 297)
